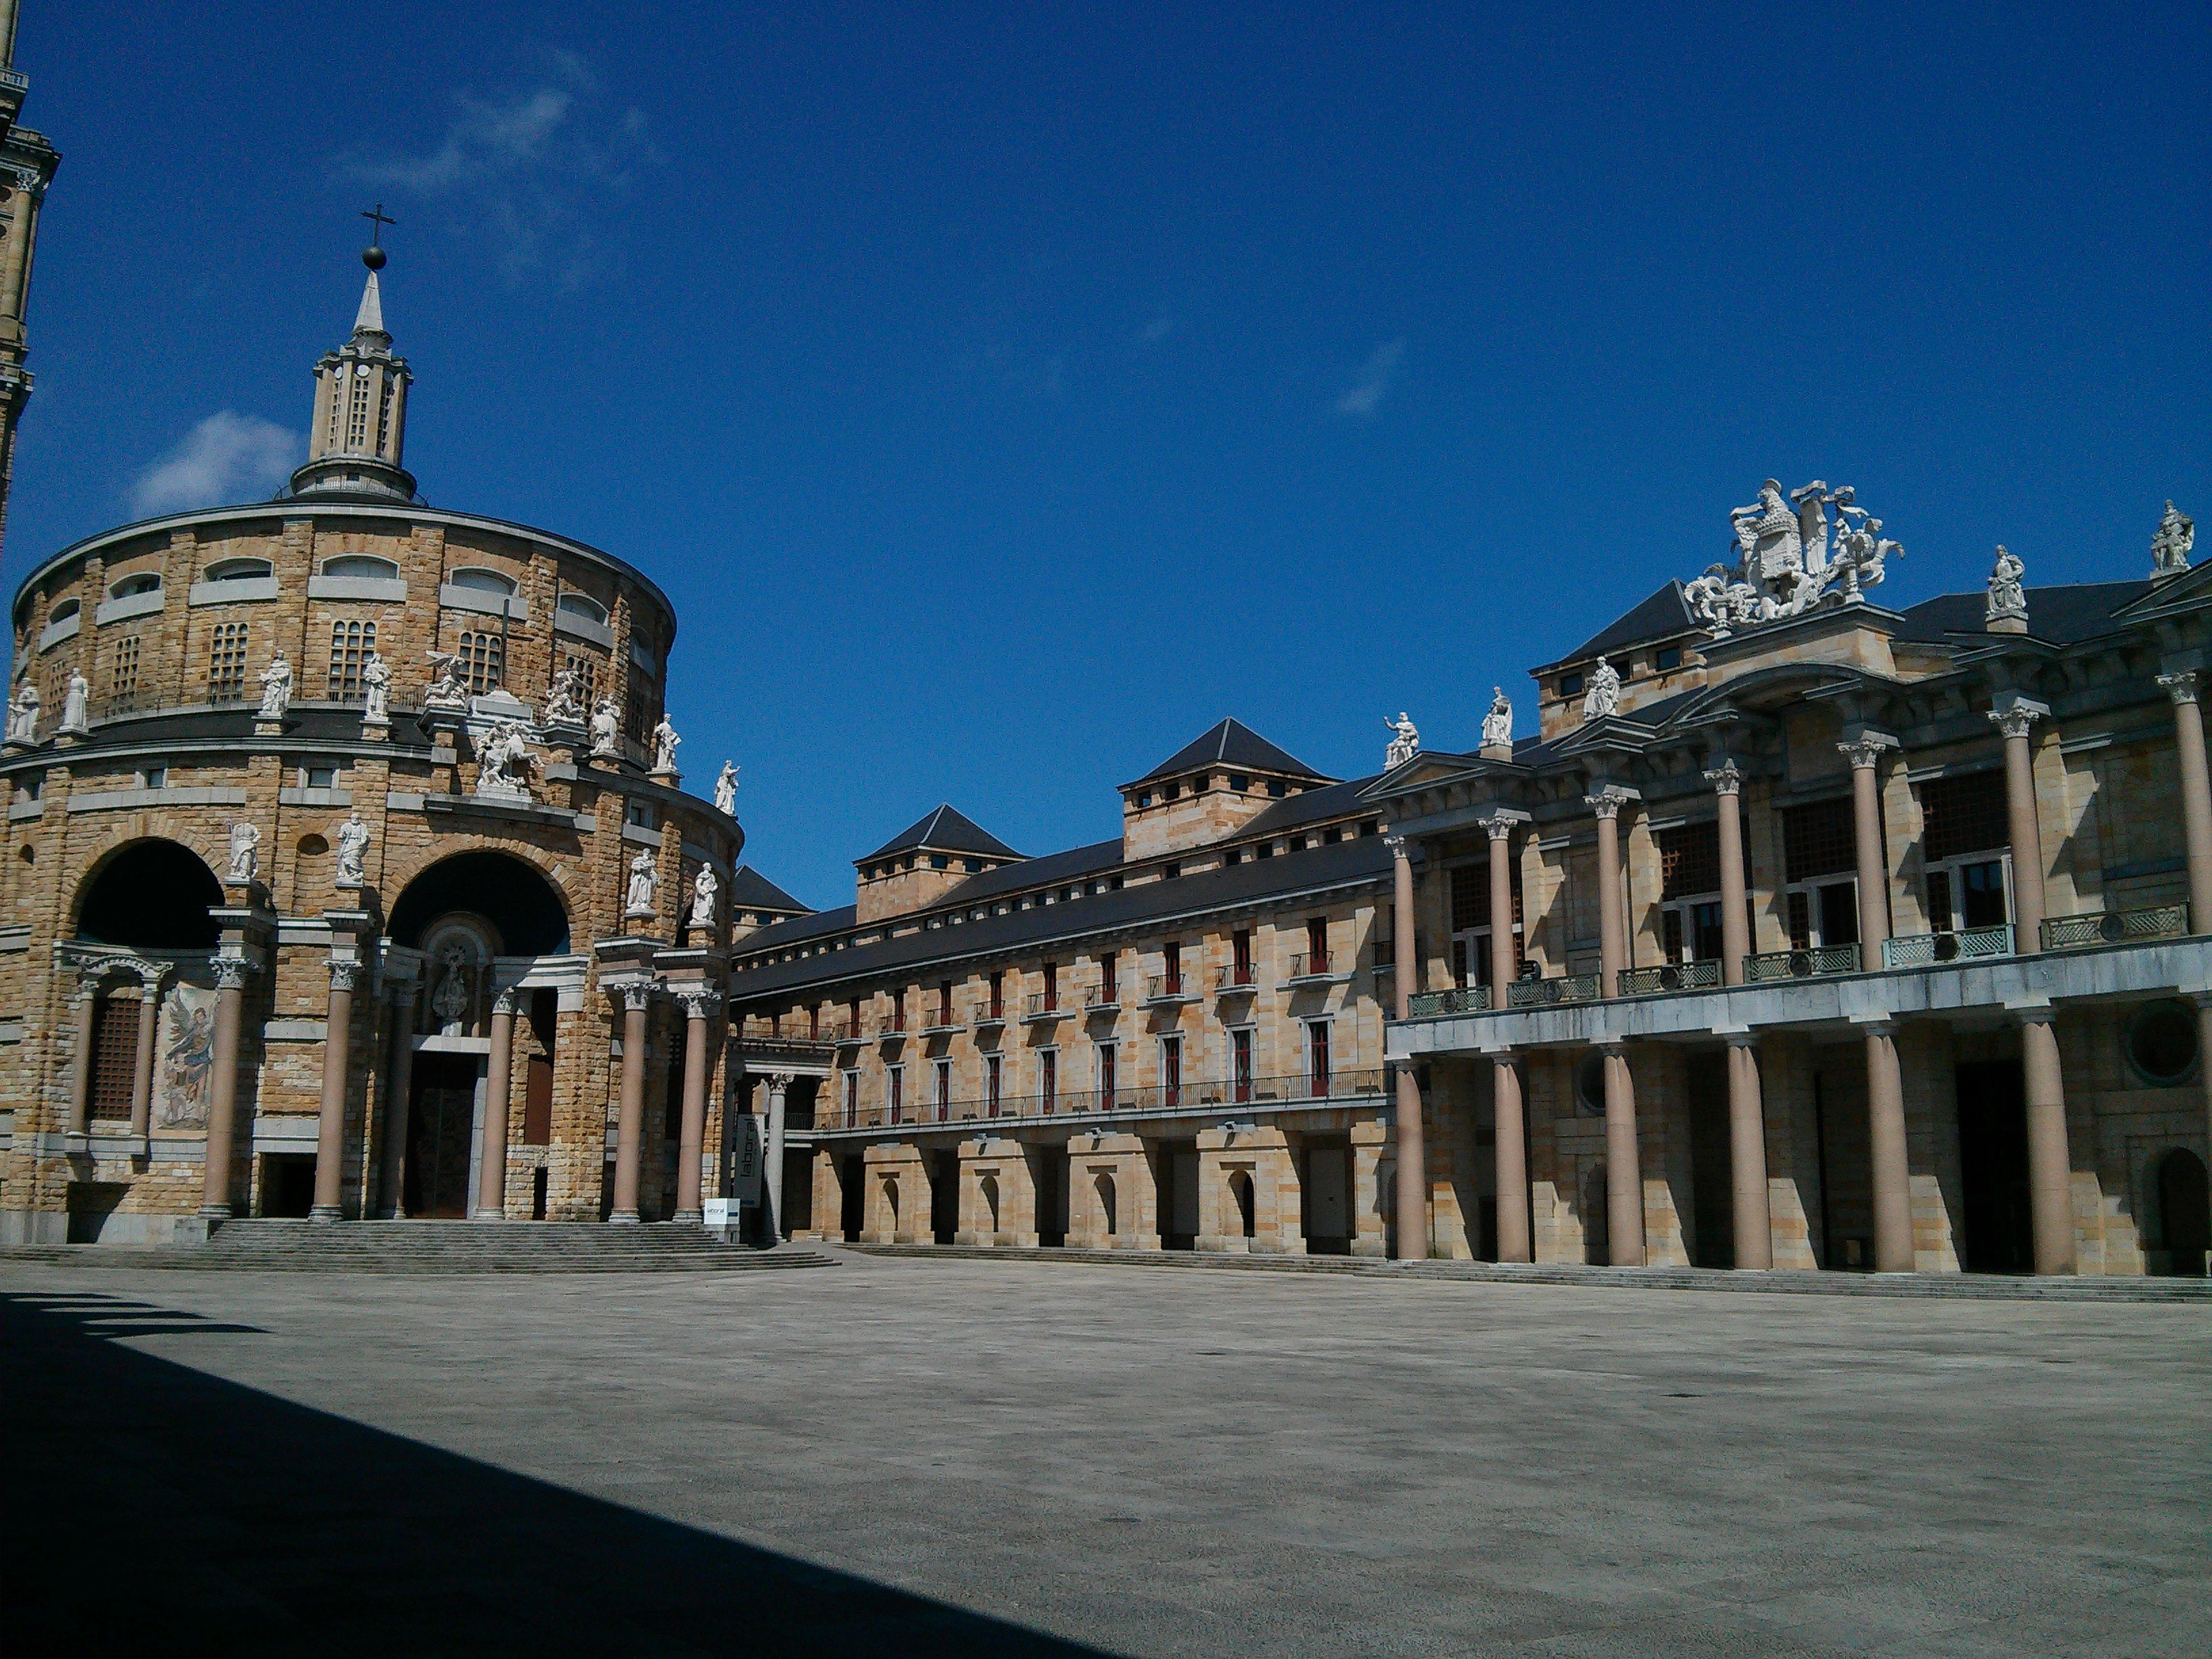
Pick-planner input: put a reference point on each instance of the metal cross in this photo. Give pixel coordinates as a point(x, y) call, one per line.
point(377, 216)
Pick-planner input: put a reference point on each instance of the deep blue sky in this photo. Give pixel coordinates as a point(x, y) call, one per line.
point(1005, 394)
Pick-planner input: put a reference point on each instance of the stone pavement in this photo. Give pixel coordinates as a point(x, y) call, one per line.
point(953, 1457)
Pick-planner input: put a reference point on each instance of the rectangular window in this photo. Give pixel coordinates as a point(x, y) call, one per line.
point(1051, 985)
point(993, 1078)
point(483, 660)
point(123, 688)
point(1106, 1076)
point(944, 1089)
point(895, 1084)
point(1817, 841)
point(1317, 1057)
point(1240, 1054)
point(1170, 1070)
point(852, 1100)
point(1109, 973)
point(1689, 859)
point(114, 1056)
point(586, 670)
point(350, 644)
point(227, 663)
point(853, 1019)
point(1240, 948)
point(1172, 968)
point(944, 1002)
point(998, 996)
point(1049, 1076)
point(1317, 945)
point(1964, 814)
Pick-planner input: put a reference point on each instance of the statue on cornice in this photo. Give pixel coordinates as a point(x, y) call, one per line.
point(644, 883)
point(2170, 547)
point(564, 698)
point(2008, 599)
point(504, 762)
point(23, 713)
point(606, 728)
point(725, 791)
point(1603, 697)
point(703, 887)
point(1784, 566)
point(664, 746)
point(1497, 724)
point(244, 849)
point(1405, 742)
point(77, 699)
point(275, 687)
point(353, 849)
point(375, 690)
point(449, 687)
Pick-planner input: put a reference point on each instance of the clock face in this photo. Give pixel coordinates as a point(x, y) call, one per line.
point(362, 370)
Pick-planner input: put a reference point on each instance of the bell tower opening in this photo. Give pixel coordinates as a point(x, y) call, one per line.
point(358, 436)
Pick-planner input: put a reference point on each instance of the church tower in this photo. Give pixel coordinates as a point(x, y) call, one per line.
point(360, 428)
point(27, 167)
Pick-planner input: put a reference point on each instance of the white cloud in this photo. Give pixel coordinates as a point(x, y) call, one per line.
point(1366, 393)
point(226, 459)
point(1158, 330)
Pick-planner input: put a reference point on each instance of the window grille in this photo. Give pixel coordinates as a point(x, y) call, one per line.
point(483, 660)
point(350, 644)
point(357, 414)
point(123, 687)
point(1689, 859)
point(586, 670)
point(114, 1056)
point(1470, 896)
point(227, 663)
point(1963, 815)
point(1816, 839)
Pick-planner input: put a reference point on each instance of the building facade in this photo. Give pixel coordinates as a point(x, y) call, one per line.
point(1866, 937)
point(27, 167)
point(348, 869)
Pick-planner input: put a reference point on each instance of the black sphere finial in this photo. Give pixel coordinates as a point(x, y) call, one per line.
point(372, 257)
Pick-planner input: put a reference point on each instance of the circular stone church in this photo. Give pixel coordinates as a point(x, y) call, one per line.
point(347, 871)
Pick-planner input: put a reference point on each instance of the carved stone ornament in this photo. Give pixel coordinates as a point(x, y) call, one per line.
point(725, 791)
point(703, 888)
point(1863, 751)
point(2008, 599)
point(1497, 724)
point(2181, 687)
point(353, 848)
point(346, 976)
point(1405, 741)
point(1603, 696)
point(23, 713)
point(375, 690)
point(1726, 779)
point(504, 762)
point(2171, 546)
point(636, 995)
point(1606, 802)
point(275, 687)
point(231, 973)
point(664, 746)
point(1791, 557)
point(564, 698)
point(700, 1002)
point(245, 854)
point(644, 883)
point(2014, 722)
point(780, 1082)
point(77, 698)
point(448, 690)
point(606, 728)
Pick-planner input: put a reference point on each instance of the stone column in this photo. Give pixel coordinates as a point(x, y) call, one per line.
point(1412, 1153)
point(1893, 1183)
point(699, 1007)
point(1736, 903)
point(142, 1068)
point(230, 974)
point(1624, 1163)
point(1754, 1220)
point(399, 1082)
point(2049, 1171)
point(1511, 1137)
point(779, 1086)
point(2197, 835)
point(629, 1121)
point(79, 1105)
point(329, 1127)
point(499, 1082)
point(2015, 715)
point(1864, 753)
point(1612, 923)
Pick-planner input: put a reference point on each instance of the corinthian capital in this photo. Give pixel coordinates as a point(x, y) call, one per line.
point(636, 995)
point(699, 1002)
point(1606, 802)
point(345, 976)
point(231, 973)
point(2181, 687)
point(2015, 722)
point(1865, 750)
point(1727, 779)
point(1396, 843)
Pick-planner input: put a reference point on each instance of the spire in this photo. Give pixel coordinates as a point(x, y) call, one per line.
point(358, 435)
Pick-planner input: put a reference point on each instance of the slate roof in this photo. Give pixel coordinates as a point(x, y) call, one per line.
point(799, 930)
point(1340, 864)
point(1043, 872)
point(751, 890)
point(2059, 614)
point(944, 830)
point(1232, 742)
point(1665, 612)
point(1309, 807)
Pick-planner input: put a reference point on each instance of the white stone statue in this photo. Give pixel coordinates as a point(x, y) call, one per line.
point(504, 761)
point(564, 698)
point(275, 687)
point(1603, 697)
point(23, 713)
point(244, 844)
point(1785, 564)
point(606, 728)
point(2008, 601)
point(1404, 742)
point(664, 746)
point(353, 849)
point(375, 690)
point(703, 888)
point(448, 689)
point(725, 791)
point(77, 698)
point(450, 1001)
point(644, 883)
point(1497, 724)
point(2170, 547)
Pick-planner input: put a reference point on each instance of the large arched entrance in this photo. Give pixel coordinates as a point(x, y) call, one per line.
point(151, 895)
point(463, 913)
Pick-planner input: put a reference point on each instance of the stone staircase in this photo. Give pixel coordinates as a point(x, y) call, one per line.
point(439, 1247)
point(1987, 1287)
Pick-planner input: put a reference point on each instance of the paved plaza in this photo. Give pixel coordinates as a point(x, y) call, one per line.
point(952, 1457)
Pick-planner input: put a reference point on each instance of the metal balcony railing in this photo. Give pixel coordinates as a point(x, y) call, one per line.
point(1959, 945)
point(1314, 965)
point(1671, 976)
point(1811, 962)
point(1543, 993)
point(1169, 988)
point(1268, 1092)
point(2117, 927)
point(1431, 1004)
point(1236, 977)
point(1100, 998)
point(1042, 1005)
point(988, 1014)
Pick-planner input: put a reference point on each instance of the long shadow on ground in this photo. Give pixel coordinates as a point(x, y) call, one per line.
point(150, 1504)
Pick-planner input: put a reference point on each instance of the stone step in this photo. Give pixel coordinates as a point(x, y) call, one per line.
point(440, 1247)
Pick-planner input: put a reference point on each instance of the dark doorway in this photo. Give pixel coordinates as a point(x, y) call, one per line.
point(797, 1192)
point(90, 1203)
point(537, 1072)
point(153, 895)
point(287, 1184)
point(1051, 1165)
point(1325, 1194)
point(1177, 1173)
point(854, 1201)
point(2185, 1209)
point(944, 1196)
point(441, 1125)
point(521, 904)
point(1712, 1186)
point(1993, 1168)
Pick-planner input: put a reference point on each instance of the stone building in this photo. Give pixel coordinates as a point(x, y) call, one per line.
point(27, 167)
point(1867, 937)
point(348, 871)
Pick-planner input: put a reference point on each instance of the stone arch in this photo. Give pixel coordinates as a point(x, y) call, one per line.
point(1245, 1201)
point(890, 1204)
point(987, 1187)
point(1105, 1188)
point(148, 892)
point(2184, 1210)
point(523, 905)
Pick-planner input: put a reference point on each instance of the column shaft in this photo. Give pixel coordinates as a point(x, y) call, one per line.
point(223, 1092)
point(1612, 923)
point(1754, 1220)
point(1893, 1180)
point(87, 1009)
point(2049, 1171)
point(329, 1125)
point(2027, 838)
point(1866, 839)
point(2196, 804)
point(1413, 1152)
point(1735, 902)
point(499, 1081)
point(1512, 1160)
point(629, 1122)
point(399, 1083)
point(142, 1066)
point(772, 1160)
point(1624, 1164)
point(691, 1135)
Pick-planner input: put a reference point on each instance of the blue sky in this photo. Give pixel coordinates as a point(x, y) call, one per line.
point(1005, 394)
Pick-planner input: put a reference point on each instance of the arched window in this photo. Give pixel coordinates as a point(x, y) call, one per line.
point(586, 670)
point(581, 604)
point(360, 565)
point(238, 570)
point(480, 581)
point(483, 660)
point(63, 610)
point(350, 644)
point(146, 581)
point(1240, 1190)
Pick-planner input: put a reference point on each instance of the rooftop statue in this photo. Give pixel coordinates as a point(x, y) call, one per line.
point(1497, 724)
point(1785, 564)
point(2008, 599)
point(2170, 547)
point(1405, 744)
point(1603, 697)
point(726, 790)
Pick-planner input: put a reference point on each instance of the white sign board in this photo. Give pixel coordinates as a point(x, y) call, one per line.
point(745, 1158)
point(716, 1211)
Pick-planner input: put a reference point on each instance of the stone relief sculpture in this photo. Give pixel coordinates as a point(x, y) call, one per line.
point(353, 848)
point(606, 728)
point(1785, 564)
point(703, 888)
point(644, 883)
point(1404, 742)
point(23, 713)
point(77, 699)
point(450, 1001)
point(2171, 546)
point(188, 1058)
point(564, 698)
point(1497, 724)
point(275, 687)
point(449, 687)
point(2008, 600)
point(245, 845)
point(664, 746)
point(504, 762)
point(725, 791)
point(375, 690)
point(1603, 697)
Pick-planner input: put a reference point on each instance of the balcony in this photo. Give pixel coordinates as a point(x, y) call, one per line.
point(1813, 962)
point(1169, 990)
point(1547, 992)
point(1326, 968)
point(943, 1024)
point(989, 1018)
point(891, 1030)
point(1670, 976)
point(1043, 1008)
point(1236, 981)
point(2116, 927)
point(1432, 1004)
point(1102, 999)
point(1356, 1085)
point(1960, 944)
